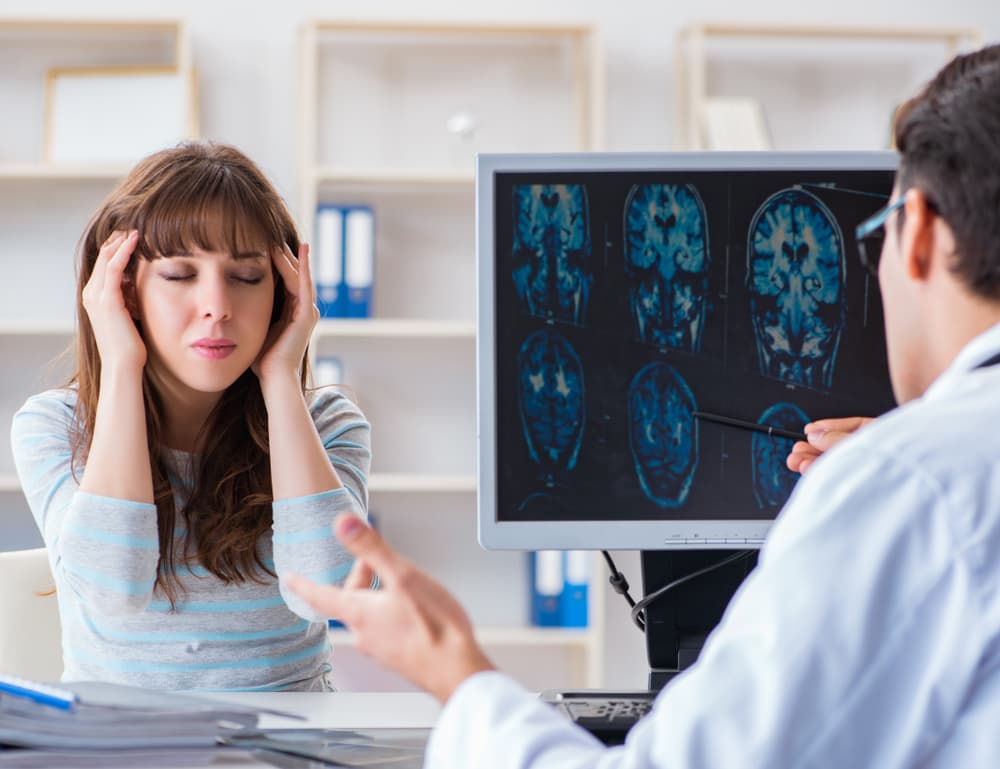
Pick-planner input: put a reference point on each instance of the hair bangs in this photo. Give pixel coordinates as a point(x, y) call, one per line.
point(210, 209)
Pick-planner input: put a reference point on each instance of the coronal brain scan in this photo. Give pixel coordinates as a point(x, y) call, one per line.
point(662, 433)
point(772, 480)
point(551, 254)
point(621, 295)
point(666, 259)
point(551, 400)
point(795, 278)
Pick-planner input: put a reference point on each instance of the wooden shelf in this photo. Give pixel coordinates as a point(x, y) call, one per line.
point(426, 28)
point(421, 482)
point(361, 328)
point(91, 172)
point(79, 26)
point(799, 31)
point(508, 636)
point(389, 328)
point(35, 328)
point(329, 175)
point(395, 483)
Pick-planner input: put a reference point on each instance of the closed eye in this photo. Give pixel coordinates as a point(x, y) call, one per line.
point(174, 277)
point(251, 280)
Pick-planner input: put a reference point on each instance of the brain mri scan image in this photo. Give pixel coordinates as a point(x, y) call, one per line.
point(551, 253)
point(772, 480)
point(663, 436)
point(666, 260)
point(795, 278)
point(551, 401)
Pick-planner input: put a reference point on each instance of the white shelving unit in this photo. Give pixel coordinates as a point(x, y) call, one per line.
point(897, 53)
point(375, 100)
point(45, 206)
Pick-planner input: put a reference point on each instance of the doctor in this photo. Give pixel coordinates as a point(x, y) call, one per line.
point(869, 634)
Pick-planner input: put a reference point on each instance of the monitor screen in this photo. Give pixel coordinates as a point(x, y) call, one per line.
point(631, 307)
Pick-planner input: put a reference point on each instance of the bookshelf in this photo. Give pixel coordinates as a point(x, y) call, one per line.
point(376, 101)
point(892, 60)
point(44, 206)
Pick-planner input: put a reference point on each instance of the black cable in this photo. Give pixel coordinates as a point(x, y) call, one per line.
point(638, 608)
point(617, 579)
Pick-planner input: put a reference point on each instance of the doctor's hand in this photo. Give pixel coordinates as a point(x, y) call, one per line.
point(411, 625)
point(822, 436)
point(118, 341)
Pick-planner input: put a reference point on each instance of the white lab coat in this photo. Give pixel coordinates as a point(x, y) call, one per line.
point(867, 636)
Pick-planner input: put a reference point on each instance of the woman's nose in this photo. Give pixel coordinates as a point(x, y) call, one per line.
point(214, 298)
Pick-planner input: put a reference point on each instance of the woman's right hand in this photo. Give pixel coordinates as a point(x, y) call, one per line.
point(822, 435)
point(115, 332)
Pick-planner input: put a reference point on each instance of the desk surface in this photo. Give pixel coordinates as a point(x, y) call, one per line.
point(342, 710)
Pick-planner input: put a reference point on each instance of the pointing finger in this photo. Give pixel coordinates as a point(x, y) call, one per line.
point(360, 578)
point(365, 543)
point(327, 599)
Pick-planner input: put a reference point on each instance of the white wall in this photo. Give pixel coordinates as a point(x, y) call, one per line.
point(246, 60)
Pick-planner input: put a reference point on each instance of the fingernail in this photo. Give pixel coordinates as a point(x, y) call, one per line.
point(351, 527)
point(814, 437)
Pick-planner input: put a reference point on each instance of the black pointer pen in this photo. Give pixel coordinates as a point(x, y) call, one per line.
point(775, 432)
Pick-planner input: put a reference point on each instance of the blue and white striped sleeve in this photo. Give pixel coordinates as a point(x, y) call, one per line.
point(303, 535)
point(105, 551)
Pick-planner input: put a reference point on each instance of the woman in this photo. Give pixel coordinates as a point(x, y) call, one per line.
point(185, 468)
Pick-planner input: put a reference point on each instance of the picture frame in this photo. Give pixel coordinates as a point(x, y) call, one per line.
point(115, 115)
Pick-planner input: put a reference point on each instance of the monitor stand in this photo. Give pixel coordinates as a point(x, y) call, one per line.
point(678, 623)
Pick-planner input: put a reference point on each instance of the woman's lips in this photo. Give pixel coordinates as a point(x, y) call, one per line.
point(214, 349)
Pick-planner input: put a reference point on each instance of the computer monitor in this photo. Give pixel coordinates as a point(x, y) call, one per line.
point(628, 301)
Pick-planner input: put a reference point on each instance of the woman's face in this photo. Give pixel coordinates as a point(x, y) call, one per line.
point(204, 315)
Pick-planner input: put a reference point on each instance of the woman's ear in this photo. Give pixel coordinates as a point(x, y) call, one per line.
point(130, 296)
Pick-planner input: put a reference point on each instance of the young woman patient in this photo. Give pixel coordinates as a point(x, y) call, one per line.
point(185, 468)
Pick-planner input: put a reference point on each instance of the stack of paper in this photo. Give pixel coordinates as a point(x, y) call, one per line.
point(104, 723)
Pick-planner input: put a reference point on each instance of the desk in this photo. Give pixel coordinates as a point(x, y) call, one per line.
point(342, 710)
point(339, 710)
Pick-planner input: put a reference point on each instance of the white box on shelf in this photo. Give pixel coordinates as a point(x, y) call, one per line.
point(114, 115)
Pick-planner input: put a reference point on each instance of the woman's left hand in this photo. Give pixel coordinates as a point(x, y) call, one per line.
point(288, 338)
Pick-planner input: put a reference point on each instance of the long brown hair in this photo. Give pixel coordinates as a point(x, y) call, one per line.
point(210, 196)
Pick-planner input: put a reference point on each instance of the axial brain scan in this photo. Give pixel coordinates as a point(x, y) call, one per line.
point(550, 397)
point(551, 265)
point(662, 433)
point(772, 480)
point(795, 278)
point(666, 259)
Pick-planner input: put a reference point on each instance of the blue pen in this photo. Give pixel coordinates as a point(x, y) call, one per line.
point(43, 694)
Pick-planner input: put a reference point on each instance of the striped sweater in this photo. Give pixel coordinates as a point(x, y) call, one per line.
point(104, 553)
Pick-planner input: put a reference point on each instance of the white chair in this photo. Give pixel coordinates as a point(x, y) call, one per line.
point(30, 633)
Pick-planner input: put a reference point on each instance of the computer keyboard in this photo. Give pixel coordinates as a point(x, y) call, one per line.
point(608, 715)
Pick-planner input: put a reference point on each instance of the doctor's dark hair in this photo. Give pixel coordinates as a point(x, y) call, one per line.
point(949, 140)
point(213, 197)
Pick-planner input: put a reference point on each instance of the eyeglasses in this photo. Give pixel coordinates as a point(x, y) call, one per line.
point(870, 235)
